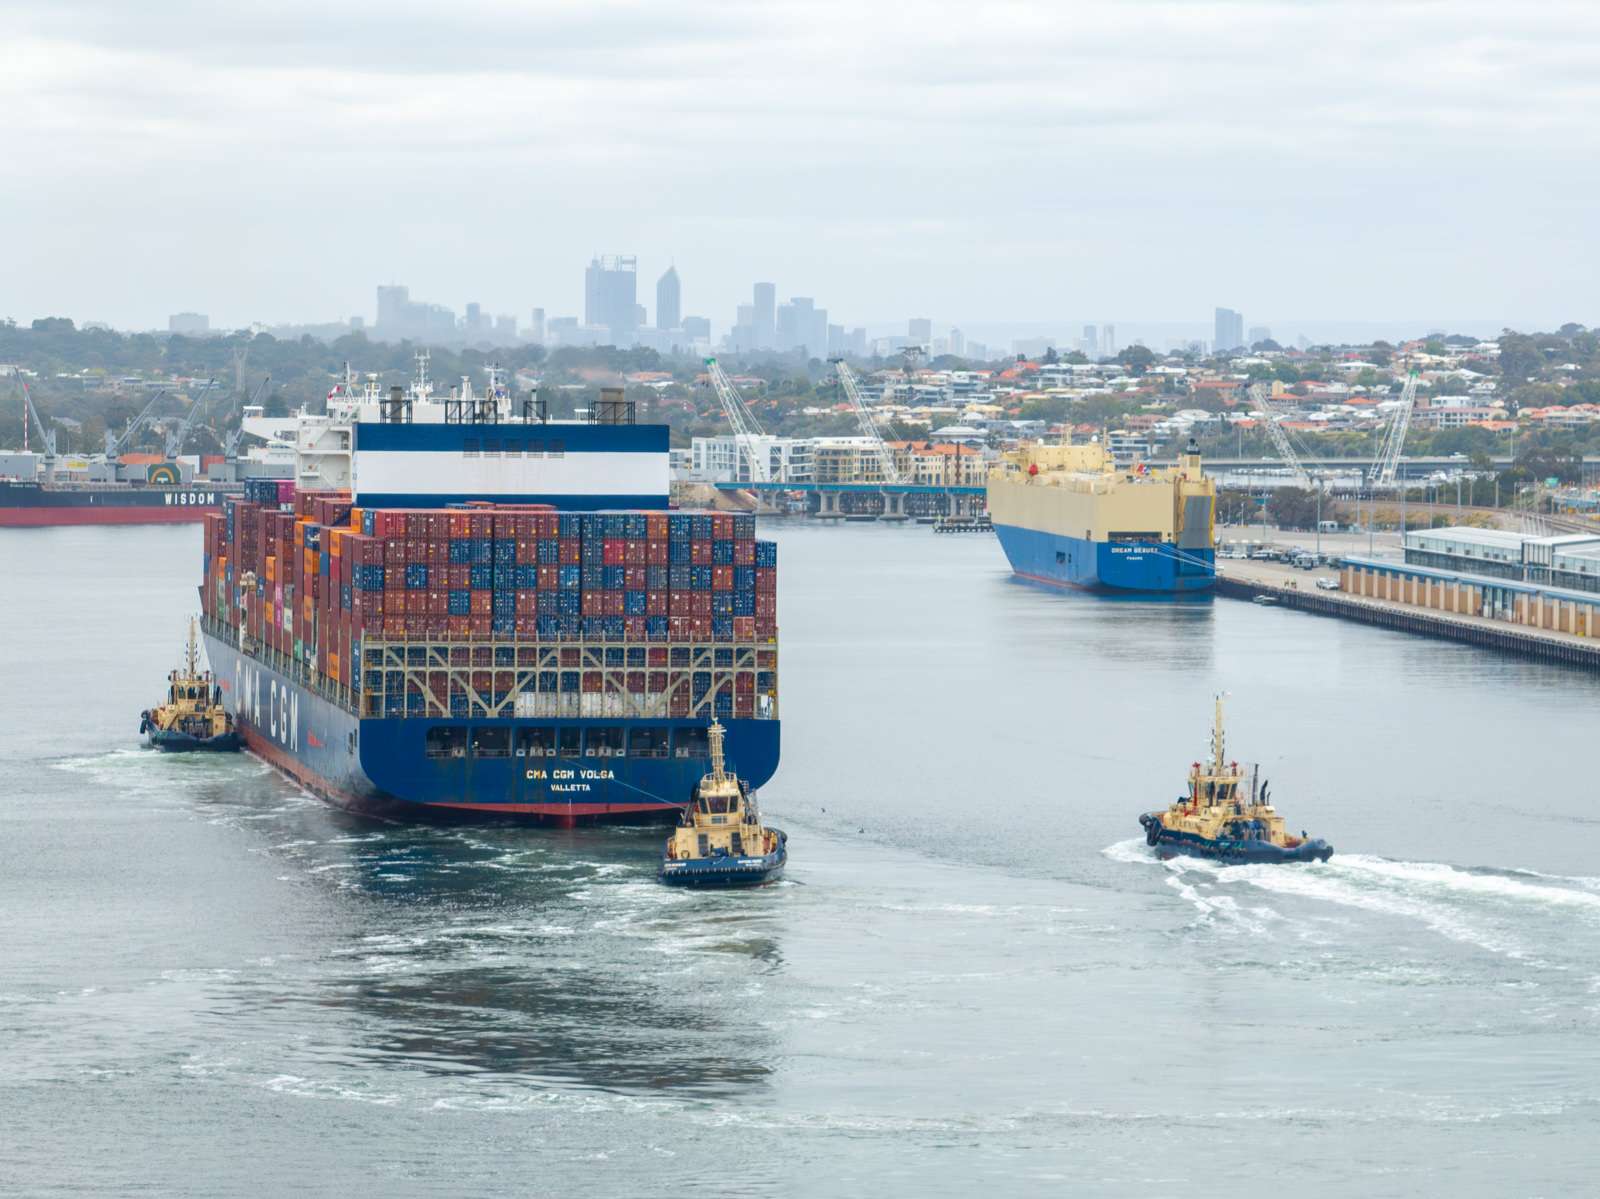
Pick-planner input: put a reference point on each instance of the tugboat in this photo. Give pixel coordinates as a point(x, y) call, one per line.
point(193, 717)
point(1218, 819)
point(721, 842)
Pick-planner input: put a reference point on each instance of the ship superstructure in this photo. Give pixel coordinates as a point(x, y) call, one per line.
point(1070, 515)
point(502, 617)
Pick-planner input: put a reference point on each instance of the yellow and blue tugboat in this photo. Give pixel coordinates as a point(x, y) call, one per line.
point(721, 841)
point(1223, 818)
point(193, 717)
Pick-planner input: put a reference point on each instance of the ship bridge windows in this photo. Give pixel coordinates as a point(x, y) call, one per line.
point(491, 743)
point(446, 741)
point(604, 742)
point(537, 742)
point(648, 742)
point(1133, 535)
point(690, 743)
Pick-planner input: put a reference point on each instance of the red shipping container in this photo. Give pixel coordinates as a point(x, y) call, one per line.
point(722, 578)
point(656, 553)
point(721, 526)
point(744, 553)
point(439, 552)
point(744, 628)
point(633, 629)
point(527, 552)
point(482, 602)
point(679, 603)
point(527, 627)
point(594, 603)
point(700, 553)
point(612, 550)
point(527, 602)
point(766, 604)
point(679, 627)
point(767, 579)
point(549, 578)
point(744, 706)
point(656, 526)
point(702, 604)
point(571, 553)
point(657, 682)
point(593, 681)
point(766, 627)
point(700, 628)
point(615, 604)
point(480, 625)
point(634, 552)
point(656, 603)
point(633, 578)
point(482, 524)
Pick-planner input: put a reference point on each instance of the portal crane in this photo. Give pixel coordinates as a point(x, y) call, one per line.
point(1280, 439)
point(746, 428)
point(115, 445)
point(178, 436)
point(869, 427)
point(1387, 467)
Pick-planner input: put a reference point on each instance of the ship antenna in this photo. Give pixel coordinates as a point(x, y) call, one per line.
point(1217, 739)
point(714, 733)
point(193, 662)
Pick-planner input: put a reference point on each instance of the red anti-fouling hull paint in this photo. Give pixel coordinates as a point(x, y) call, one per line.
point(38, 518)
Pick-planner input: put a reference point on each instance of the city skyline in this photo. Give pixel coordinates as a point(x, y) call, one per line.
point(863, 156)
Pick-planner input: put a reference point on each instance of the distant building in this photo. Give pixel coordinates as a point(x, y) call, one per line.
point(400, 317)
point(1258, 333)
point(669, 300)
point(802, 325)
point(190, 324)
point(1108, 341)
point(1033, 347)
point(764, 316)
point(536, 327)
point(505, 330)
point(697, 328)
point(1090, 343)
point(919, 329)
point(1228, 332)
point(958, 343)
point(611, 296)
point(721, 460)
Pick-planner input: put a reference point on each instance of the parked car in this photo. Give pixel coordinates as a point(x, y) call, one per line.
point(1327, 584)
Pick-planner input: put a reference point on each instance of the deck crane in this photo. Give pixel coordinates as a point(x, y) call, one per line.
point(1386, 469)
point(869, 427)
point(178, 436)
point(1280, 439)
point(47, 435)
point(115, 445)
point(746, 428)
point(230, 444)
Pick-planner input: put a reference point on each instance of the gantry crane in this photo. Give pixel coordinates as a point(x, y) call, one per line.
point(869, 427)
point(746, 428)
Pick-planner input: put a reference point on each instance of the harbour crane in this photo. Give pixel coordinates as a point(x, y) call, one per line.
point(1387, 467)
point(869, 427)
point(1280, 438)
point(230, 444)
point(178, 436)
point(746, 428)
point(115, 445)
point(47, 435)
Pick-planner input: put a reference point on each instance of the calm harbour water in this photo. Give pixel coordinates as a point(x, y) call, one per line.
point(975, 975)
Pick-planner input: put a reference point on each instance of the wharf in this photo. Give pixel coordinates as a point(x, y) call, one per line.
point(1297, 589)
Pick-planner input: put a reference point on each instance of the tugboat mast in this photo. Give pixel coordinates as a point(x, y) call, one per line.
point(714, 736)
point(1217, 740)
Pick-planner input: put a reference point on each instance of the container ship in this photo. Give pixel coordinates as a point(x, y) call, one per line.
point(501, 618)
point(31, 503)
point(1070, 516)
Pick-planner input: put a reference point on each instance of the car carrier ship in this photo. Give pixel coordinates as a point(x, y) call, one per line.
point(501, 618)
point(1070, 516)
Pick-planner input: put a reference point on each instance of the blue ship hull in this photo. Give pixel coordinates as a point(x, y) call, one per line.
point(1062, 561)
point(382, 766)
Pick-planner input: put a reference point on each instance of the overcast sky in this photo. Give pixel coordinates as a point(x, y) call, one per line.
point(975, 163)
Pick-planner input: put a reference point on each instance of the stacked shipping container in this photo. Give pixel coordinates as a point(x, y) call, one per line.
point(319, 582)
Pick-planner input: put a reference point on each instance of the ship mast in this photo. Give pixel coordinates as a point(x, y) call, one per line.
point(714, 734)
point(193, 655)
point(1217, 740)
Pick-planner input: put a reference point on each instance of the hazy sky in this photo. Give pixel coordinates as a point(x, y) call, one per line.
point(970, 162)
